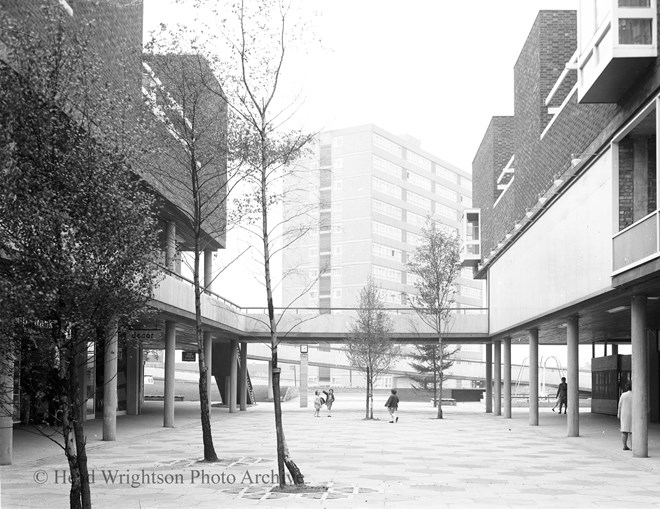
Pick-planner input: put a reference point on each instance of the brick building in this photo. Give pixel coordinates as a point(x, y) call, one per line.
point(565, 202)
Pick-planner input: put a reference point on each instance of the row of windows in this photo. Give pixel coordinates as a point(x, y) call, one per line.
point(418, 200)
point(420, 161)
point(386, 209)
point(387, 252)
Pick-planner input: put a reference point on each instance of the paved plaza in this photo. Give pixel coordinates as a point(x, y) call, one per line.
point(468, 459)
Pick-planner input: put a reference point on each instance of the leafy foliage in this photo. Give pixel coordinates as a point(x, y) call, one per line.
point(369, 347)
point(436, 265)
point(77, 227)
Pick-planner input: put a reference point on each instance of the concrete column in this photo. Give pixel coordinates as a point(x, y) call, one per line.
point(208, 359)
point(507, 377)
point(573, 377)
point(170, 352)
point(497, 365)
point(304, 375)
point(489, 378)
point(615, 349)
point(110, 385)
point(269, 395)
point(243, 381)
point(7, 408)
point(534, 377)
point(640, 378)
point(233, 376)
point(654, 415)
point(170, 245)
point(208, 270)
point(133, 380)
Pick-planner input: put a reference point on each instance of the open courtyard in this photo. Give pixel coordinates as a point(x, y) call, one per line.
point(470, 458)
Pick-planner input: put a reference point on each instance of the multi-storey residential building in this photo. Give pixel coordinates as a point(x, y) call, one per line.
point(565, 192)
point(374, 192)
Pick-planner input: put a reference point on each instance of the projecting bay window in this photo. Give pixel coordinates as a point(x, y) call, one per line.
point(636, 222)
point(471, 248)
point(617, 39)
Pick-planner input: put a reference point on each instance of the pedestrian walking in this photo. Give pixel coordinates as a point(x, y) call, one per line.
point(624, 413)
point(329, 400)
point(318, 402)
point(562, 395)
point(392, 405)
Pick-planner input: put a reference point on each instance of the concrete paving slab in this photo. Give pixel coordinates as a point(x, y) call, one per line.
point(467, 459)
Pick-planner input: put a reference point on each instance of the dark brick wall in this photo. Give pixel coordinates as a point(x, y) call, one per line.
point(549, 46)
point(493, 154)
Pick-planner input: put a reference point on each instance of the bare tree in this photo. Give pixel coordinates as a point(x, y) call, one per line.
point(436, 263)
point(369, 346)
point(190, 113)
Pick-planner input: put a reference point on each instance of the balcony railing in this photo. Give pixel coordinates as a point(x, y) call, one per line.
point(636, 244)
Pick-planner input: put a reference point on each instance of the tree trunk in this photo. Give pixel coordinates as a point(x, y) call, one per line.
point(366, 404)
point(207, 436)
point(440, 376)
point(78, 354)
point(282, 450)
point(435, 378)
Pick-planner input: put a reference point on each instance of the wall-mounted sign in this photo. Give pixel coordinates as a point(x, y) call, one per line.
point(188, 356)
point(144, 334)
point(303, 348)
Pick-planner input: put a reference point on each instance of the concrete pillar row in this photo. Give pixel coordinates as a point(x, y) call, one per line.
point(533, 377)
point(497, 364)
point(243, 379)
point(110, 384)
point(573, 377)
point(489, 378)
point(170, 352)
point(507, 377)
point(640, 377)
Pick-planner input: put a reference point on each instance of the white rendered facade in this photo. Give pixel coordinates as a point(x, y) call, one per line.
point(374, 191)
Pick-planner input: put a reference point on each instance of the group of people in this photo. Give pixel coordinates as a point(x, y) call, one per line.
point(392, 403)
point(319, 401)
point(624, 410)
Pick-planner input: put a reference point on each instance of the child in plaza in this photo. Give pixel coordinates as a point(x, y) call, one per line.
point(329, 400)
point(318, 403)
point(562, 395)
point(392, 405)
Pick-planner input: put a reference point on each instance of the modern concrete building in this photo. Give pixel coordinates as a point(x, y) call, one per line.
point(565, 198)
point(373, 192)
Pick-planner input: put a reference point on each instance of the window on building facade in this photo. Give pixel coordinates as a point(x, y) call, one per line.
point(445, 211)
point(338, 141)
point(380, 207)
point(386, 188)
point(413, 279)
point(386, 274)
point(470, 291)
point(385, 166)
point(385, 230)
point(387, 252)
point(418, 160)
point(419, 181)
point(446, 174)
point(445, 192)
point(466, 201)
point(415, 219)
point(387, 145)
point(637, 171)
point(413, 239)
point(418, 200)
